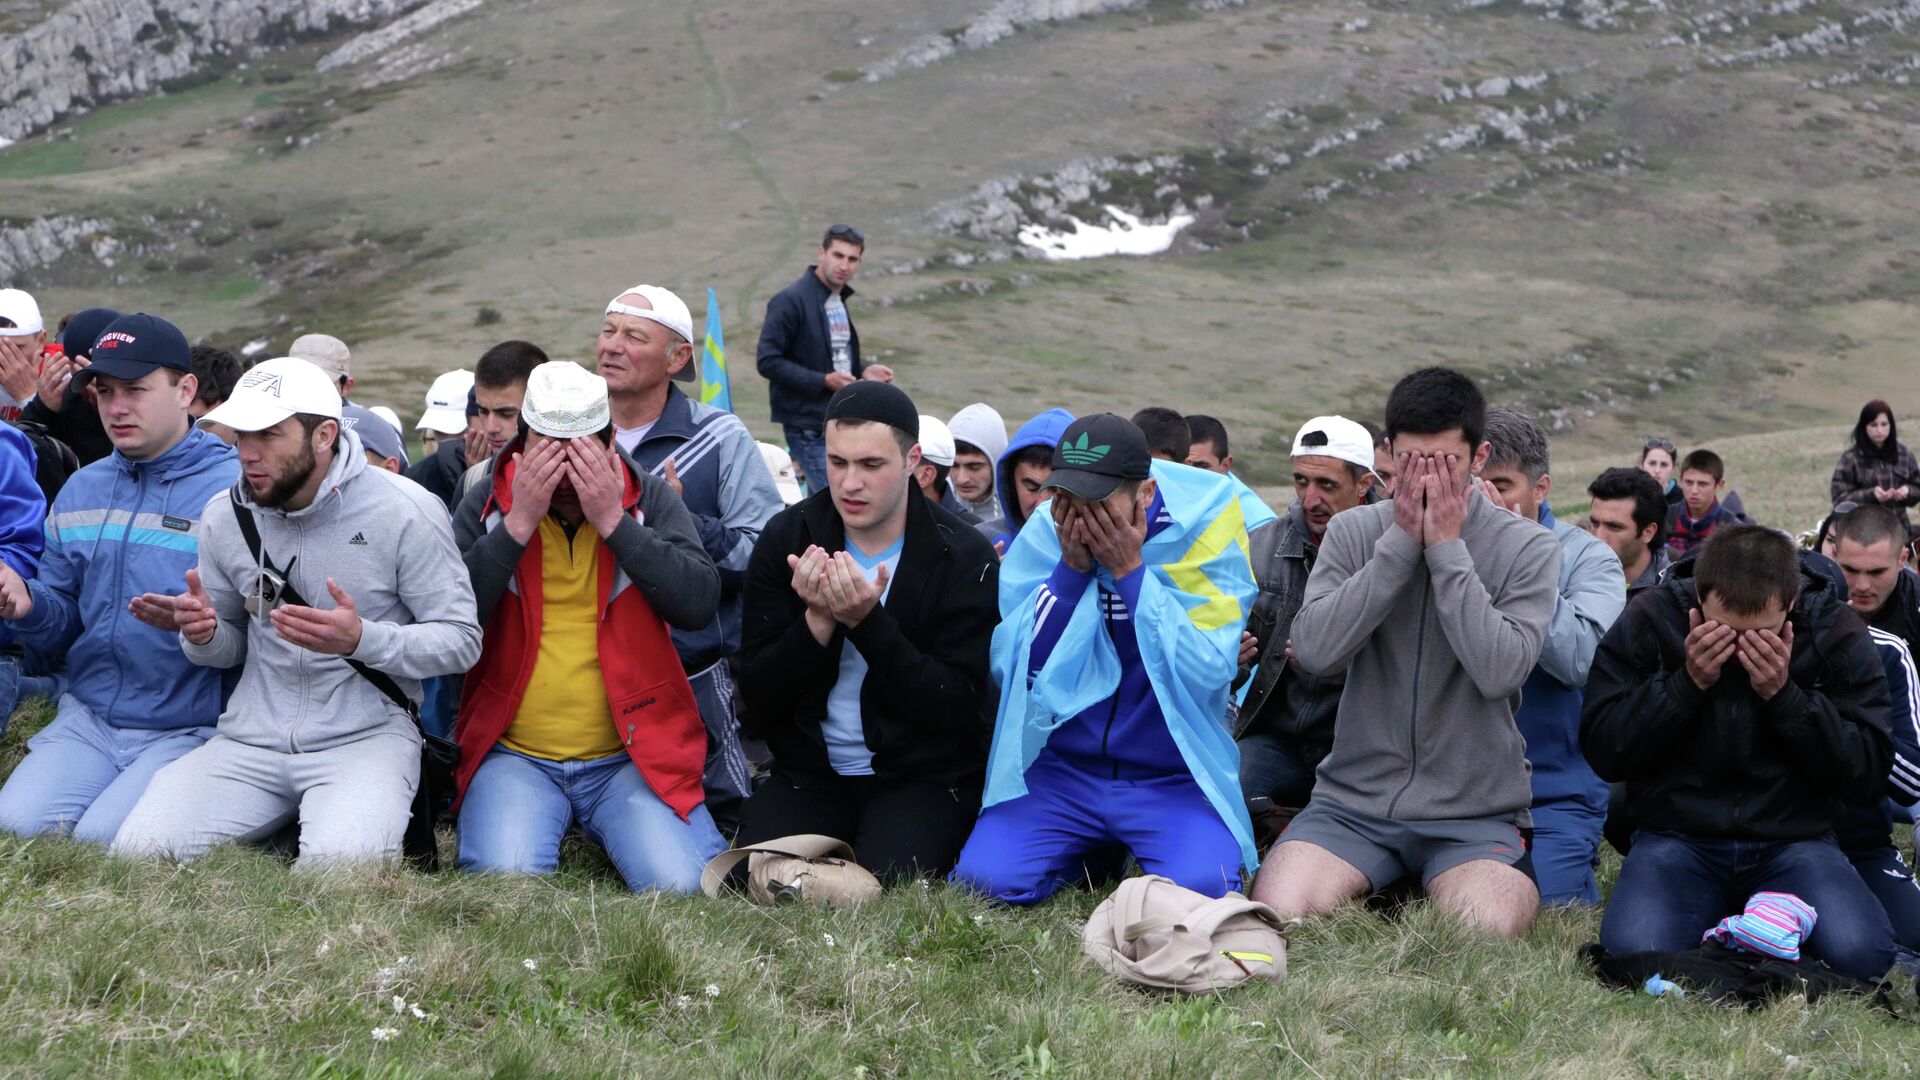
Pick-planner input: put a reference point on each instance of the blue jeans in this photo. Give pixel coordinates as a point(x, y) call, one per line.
point(808, 448)
point(1674, 888)
point(83, 775)
point(1891, 881)
point(1566, 848)
point(518, 808)
point(1279, 767)
point(1026, 849)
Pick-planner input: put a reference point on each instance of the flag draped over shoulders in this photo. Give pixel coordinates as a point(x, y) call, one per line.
point(1193, 603)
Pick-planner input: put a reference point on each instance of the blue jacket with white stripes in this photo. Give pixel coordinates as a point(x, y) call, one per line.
point(120, 528)
point(725, 483)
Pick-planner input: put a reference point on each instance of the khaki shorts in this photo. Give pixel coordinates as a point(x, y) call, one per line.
point(1387, 850)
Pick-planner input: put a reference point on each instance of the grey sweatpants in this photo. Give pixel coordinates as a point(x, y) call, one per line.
point(353, 801)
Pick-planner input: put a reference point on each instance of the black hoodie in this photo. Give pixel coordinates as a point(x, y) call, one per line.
point(1721, 763)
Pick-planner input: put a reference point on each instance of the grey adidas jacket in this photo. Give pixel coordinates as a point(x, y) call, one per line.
point(387, 542)
point(1435, 643)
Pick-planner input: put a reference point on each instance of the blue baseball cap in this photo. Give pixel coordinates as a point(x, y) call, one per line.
point(77, 339)
point(375, 433)
point(133, 346)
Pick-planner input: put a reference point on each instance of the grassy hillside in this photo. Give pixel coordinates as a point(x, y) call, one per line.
point(1660, 231)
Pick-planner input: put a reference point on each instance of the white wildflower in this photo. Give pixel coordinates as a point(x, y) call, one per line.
point(384, 1034)
point(713, 990)
point(829, 939)
point(420, 1013)
point(325, 948)
point(682, 1001)
point(979, 920)
point(399, 1004)
point(529, 964)
point(356, 928)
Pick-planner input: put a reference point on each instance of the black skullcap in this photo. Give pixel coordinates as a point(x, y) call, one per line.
point(884, 403)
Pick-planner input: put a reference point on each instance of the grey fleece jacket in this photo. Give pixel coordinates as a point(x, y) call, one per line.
point(660, 551)
point(382, 538)
point(1435, 643)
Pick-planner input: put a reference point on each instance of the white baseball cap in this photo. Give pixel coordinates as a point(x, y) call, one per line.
point(324, 351)
point(275, 390)
point(389, 416)
point(565, 401)
point(1335, 437)
point(780, 464)
point(17, 306)
point(665, 308)
point(936, 441)
point(447, 403)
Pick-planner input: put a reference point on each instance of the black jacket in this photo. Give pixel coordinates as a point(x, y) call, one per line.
point(927, 702)
point(1285, 699)
point(1721, 763)
point(796, 354)
point(440, 471)
point(77, 424)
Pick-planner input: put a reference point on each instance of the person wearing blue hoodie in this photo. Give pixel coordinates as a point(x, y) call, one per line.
point(1121, 613)
point(125, 525)
point(1569, 798)
point(1021, 476)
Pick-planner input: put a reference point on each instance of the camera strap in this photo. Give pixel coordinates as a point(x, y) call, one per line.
point(250, 532)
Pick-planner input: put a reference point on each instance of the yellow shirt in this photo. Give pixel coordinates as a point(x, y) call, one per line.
point(564, 715)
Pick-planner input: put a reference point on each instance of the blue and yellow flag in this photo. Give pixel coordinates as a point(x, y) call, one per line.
point(1193, 603)
point(714, 389)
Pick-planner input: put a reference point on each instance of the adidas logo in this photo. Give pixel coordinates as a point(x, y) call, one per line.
point(1079, 453)
point(359, 540)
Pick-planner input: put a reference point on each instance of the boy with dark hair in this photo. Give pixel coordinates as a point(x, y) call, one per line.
point(1569, 801)
point(1703, 476)
point(1209, 450)
point(1436, 606)
point(1742, 705)
point(1023, 471)
point(1168, 437)
point(217, 371)
point(1627, 513)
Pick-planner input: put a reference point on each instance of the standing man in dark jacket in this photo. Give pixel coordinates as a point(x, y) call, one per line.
point(1742, 704)
point(869, 616)
point(809, 349)
point(1286, 720)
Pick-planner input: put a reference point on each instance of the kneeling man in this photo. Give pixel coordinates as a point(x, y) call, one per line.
point(320, 728)
point(579, 710)
point(1743, 705)
point(1121, 604)
point(1436, 605)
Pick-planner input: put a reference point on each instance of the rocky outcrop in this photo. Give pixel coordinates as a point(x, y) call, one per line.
point(406, 62)
point(1003, 20)
point(92, 51)
point(28, 246)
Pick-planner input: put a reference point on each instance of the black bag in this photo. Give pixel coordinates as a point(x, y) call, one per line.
point(1727, 976)
point(439, 758)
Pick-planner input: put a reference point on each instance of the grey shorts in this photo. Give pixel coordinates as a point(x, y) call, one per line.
point(1386, 850)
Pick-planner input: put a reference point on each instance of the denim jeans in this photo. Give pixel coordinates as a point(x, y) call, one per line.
point(1566, 848)
point(83, 775)
point(518, 808)
point(1674, 888)
point(1279, 767)
point(808, 448)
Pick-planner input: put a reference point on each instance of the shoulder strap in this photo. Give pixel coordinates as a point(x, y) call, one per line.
point(250, 532)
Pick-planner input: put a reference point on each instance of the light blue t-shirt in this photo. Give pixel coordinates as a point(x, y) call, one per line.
point(846, 735)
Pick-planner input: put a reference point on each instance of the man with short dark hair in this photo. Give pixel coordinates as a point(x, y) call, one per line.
point(1286, 720)
point(869, 612)
point(319, 728)
point(713, 463)
point(1628, 509)
point(499, 384)
point(1703, 476)
point(1436, 606)
point(1121, 611)
point(1742, 704)
point(1569, 802)
point(1209, 450)
point(1166, 430)
point(579, 709)
point(809, 349)
point(121, 527)
point(216, 370)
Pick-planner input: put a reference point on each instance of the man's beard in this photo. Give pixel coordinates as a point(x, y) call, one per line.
point(288, 482)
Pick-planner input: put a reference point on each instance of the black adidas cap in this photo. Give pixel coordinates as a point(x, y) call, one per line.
point(1097, 454)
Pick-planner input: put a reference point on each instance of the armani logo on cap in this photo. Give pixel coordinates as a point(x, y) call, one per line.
point(264, 381)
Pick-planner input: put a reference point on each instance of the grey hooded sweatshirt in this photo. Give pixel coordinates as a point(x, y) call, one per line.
point(387, 542)
point(1435, 643)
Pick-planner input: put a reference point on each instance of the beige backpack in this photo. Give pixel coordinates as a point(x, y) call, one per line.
point(1156, 933)
point(811, 868)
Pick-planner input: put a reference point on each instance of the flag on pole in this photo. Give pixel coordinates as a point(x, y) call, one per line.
point(714, 389)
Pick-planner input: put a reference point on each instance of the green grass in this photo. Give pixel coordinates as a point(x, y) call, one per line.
point(239, 967)
point(47, 157)
point(234, 287)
